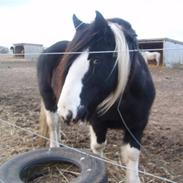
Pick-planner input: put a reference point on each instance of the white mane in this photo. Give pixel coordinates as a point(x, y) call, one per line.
point(123, 64)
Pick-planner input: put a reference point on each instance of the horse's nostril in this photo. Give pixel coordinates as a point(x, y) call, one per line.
point(69, 116)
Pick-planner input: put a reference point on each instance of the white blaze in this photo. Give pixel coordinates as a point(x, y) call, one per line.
point(70, 95)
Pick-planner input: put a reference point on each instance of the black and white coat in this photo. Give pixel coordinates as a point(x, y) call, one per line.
point(107, 89)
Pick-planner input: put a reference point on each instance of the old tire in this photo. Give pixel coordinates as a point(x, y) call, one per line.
point(15, 170)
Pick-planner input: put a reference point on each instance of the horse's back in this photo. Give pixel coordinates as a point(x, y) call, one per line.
point(47, 62)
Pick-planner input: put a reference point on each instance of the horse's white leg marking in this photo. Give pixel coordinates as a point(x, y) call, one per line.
point(58, 128)
point(52, 121)
point(130, 157)
point(157, 59)
point(94, 145)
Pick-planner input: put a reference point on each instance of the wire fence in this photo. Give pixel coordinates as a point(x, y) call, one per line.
point(106, 160)
point(92, 52)
point(168, 56)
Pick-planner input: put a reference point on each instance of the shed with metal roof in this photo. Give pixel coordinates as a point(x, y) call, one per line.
point(28, 51)
point(171, 50)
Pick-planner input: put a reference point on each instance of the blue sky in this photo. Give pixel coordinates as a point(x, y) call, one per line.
point(48, 21)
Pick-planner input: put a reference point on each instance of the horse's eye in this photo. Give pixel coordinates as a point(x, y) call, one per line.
point(96, 62)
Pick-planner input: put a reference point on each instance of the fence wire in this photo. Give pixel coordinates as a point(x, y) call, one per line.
point(106, 160)
point(92, 52)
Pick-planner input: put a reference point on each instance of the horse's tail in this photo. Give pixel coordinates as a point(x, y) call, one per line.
point(43, 125)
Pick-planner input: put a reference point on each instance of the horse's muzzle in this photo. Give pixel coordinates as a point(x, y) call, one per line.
point(68, 118)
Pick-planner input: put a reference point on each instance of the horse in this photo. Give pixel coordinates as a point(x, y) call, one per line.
point(102, 83)
point(46, 70)
point(149, 56)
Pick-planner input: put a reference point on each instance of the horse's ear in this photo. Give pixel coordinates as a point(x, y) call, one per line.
point(100, 21)
point(77, 22)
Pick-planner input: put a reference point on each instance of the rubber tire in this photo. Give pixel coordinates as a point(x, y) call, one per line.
point(92, 170)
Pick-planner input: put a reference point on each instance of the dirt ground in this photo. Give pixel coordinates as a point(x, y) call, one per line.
point(162, 152)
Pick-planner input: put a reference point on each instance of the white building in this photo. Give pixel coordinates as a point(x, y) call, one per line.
point(171, 50)
point(27, 51)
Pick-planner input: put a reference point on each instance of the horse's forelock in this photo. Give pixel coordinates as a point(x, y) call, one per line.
point(82, 39)
point(80, 42)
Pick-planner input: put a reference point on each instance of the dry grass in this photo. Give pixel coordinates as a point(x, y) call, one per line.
point(64, 173)
point(11, 58)
point(54, 172)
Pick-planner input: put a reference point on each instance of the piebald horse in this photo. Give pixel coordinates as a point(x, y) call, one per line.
point(102, 82)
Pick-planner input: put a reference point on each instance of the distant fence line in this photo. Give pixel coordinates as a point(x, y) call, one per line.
point(92, 52)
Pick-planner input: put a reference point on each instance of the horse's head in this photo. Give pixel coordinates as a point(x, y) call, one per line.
point(91, 75)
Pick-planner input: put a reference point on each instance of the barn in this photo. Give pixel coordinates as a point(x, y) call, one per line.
point(171, 50)
point(27, 51)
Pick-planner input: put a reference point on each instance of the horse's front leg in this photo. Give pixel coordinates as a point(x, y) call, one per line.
point(97, 139)
point(130, 155)
point(53, 123)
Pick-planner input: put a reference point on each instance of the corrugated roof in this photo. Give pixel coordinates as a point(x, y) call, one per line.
point(159, 40)
point(21, 44)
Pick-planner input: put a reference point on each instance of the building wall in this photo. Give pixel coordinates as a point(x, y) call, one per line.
point(32, 51)
point(173, 53)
